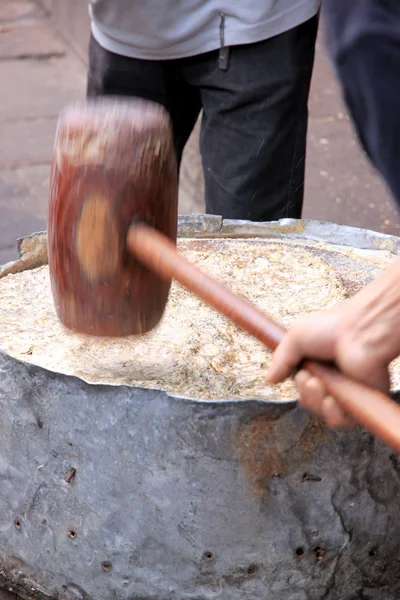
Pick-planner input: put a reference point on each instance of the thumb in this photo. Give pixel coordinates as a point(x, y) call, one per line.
point(312, 337)
point(285, 359)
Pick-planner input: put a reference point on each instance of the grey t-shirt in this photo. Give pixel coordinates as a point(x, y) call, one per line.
point(168, 29)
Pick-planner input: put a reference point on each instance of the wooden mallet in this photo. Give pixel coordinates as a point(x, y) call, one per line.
point(112, 228)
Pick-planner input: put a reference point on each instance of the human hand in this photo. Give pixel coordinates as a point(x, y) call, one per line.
point(360, 336)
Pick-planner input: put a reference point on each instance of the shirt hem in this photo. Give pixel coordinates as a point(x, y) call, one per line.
point(209, 41)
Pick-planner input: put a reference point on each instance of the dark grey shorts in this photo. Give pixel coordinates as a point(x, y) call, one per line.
point(254, 125)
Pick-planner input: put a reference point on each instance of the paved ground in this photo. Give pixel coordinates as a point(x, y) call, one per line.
point(41, 74)
point(341, 186)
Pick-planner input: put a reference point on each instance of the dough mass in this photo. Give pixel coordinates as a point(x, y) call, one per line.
point(194, 352)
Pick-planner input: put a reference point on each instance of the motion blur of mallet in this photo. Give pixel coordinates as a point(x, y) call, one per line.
point(112, 228)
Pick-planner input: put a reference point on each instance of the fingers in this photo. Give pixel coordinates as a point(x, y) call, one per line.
point(322, 336)
point(313, 336)
point(312, 395)
point(334, 416)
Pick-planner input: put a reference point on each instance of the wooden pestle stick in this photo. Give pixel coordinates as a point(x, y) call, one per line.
point(369, 407)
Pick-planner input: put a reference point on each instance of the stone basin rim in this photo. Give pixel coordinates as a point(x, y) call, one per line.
point(204, 226)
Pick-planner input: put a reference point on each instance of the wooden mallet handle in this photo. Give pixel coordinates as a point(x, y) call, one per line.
point(369, 407)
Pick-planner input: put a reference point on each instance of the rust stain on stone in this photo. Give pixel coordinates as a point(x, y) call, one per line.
point(259, 449)
point(256, 447)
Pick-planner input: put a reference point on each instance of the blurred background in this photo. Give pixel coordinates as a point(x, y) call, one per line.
point(43, 51)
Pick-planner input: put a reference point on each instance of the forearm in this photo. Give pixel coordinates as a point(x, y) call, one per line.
point(372, 317)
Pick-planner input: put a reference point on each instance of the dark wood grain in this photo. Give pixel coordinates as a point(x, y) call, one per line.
point(120, 152)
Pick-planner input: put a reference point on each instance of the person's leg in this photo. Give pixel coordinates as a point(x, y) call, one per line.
point(253, 137)
point(183, 104)
point(159, 81)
